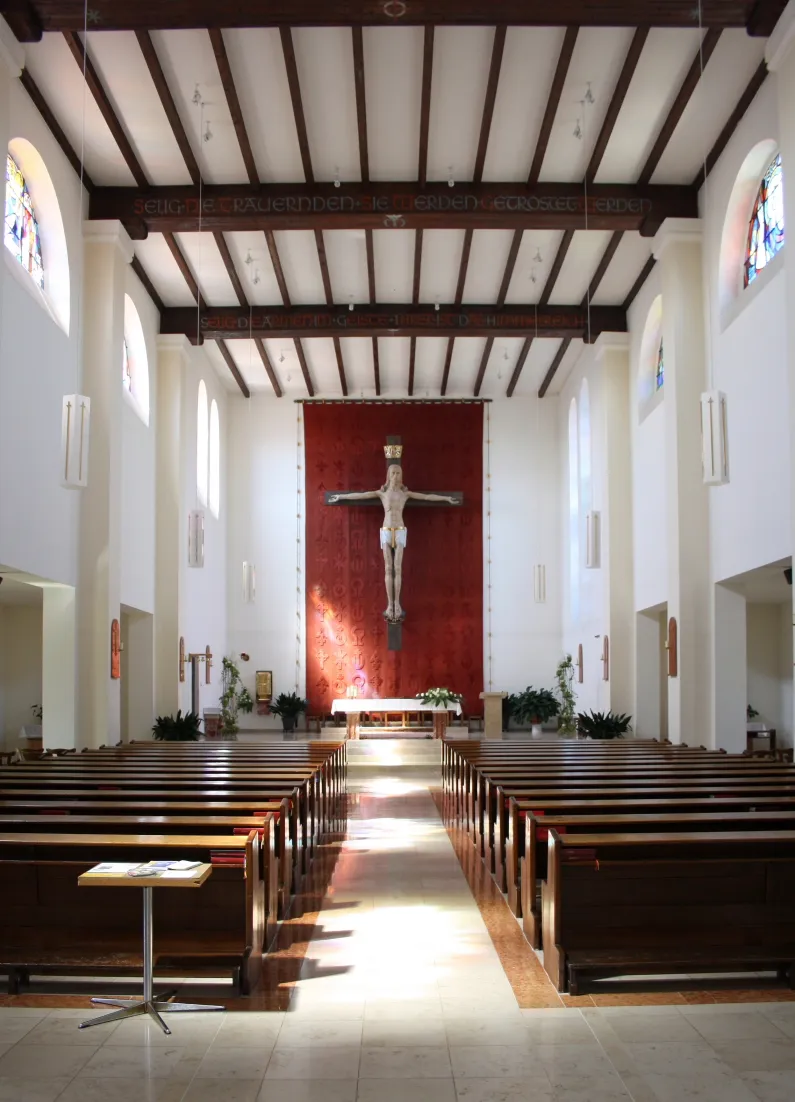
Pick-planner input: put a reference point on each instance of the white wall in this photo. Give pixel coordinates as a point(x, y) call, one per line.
point(20, 669)
point(770, 666)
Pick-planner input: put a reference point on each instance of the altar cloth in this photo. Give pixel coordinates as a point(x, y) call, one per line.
point(394, 704)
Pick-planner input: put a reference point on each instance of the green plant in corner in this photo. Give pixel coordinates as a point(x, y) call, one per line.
point(603, 725)
point(37, 712)
point(235, 698)
point(440, 697)
point(564, 675)
point(178, 728)
point(535, 706)
point(289, 706)
point(751, 714)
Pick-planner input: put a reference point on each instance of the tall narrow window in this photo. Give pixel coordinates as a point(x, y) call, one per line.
point(126, 367)
point(574, 514)
point(215, 460)
point(766, 230)
point(659, 375)
point(20, 229)
point(202, 441)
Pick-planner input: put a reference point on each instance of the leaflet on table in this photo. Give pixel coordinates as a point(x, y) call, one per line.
point(171, 870)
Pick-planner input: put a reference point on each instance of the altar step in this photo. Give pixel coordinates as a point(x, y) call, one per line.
point(406, 755)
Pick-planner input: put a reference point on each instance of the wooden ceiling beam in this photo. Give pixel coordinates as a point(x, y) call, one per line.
point(41, 105)
point(182, 264)
point(109, 15)
point(425, 105)
point(102, 100)
point(553, 99)
point(517, 371)
point(234, 369)
point(733, 121)
point(553, 367)
point(147, 47)
point(278, 271)
point(259, 344)
point(233, 103)
point(231, 271)
point(501, 296)
point(23, 19)
point(636, 286)
point(299, 351)
point(617, 101)
point(361, 102)
point(291, 66)
point(497, 50)
point(415, 298)
point(140, 271)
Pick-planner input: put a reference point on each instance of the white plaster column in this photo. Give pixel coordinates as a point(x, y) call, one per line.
point(731, 670)
point(780, 58)
point(677, 247)
point(59, 666)
point(108, 251)
point(648, 712)
point(612, 357)
point(172, 525)
point(12, 59)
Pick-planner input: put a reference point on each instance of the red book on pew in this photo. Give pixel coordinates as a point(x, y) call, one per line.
point(245, 831)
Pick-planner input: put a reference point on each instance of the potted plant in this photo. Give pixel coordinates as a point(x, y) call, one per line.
point(603, 725)
point(31, 732)
point(440, 698)
point(567, 717)
point(289, 706)
point(508, 709)
point(235, 698)
point(178, 728)
point(535, 706)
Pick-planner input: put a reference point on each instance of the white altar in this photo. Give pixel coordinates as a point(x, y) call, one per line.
point(354, 707)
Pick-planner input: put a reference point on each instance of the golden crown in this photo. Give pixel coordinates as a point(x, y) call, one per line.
point(393, 451)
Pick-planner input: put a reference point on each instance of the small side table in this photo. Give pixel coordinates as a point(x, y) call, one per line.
point(151, 1004)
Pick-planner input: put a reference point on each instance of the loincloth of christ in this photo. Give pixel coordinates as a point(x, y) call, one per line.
point(393, 537)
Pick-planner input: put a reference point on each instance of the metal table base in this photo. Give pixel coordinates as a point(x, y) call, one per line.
point(151, 1005)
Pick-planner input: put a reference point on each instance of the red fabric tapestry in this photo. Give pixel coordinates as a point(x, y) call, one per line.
point(346, 634)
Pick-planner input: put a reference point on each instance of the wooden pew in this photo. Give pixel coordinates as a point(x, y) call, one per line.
point(664, 903)
point(50, 926)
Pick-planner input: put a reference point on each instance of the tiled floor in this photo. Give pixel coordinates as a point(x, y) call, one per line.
point(402, 997)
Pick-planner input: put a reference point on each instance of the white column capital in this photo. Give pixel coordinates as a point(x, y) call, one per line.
point(779, 45)
point(109, 231)
point(610, 342)
point(174, 342)
point(676, 231)
point(12, 54)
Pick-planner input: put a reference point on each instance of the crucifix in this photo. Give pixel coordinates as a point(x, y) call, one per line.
point(394, 496)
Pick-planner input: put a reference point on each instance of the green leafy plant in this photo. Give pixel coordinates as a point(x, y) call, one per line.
point(440, 697)
point(603, 725)
point(37, 712)
point(508, 709)
point(535, 705)
point(235, 698)
point(178, 728)
point(564, 676)
point(751, 713)
point(289, 706)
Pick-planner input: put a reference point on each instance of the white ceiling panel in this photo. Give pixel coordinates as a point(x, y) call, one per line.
point(663, 64)
point(730, 68)
point(542, 353)
point(204, 260)
point(284, 359)
point(124, 73)
point(298, 255)
point(536, 256)
point(258, 277)
point(357, 355)
point(324, 57)
point(218, 365)
point(624, 269)
point(467, 354)
point(581, 261)
point(528, 66)
point(441, 261)
point(188, 60)
point(429, 366)
point(248, 362)
point(393, 251)
point(487, 259)
point(393, 362)
point(393, 94)
point(461, 60)
point(161, 267)
point(257, 62)
point(322, 362)
point(567, 365)
point(60, 81)
point(346, 253)
point(597, 59)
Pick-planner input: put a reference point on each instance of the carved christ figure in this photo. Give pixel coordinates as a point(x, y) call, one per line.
point(393, 496)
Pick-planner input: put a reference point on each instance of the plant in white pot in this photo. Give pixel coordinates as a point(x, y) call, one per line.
point(535, 706)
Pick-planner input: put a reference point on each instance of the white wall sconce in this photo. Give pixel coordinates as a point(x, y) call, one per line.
point(75, 424)
point(593, 540)
point(714, 438)
point(249, 583)
point(539, 583)
point(196, 538)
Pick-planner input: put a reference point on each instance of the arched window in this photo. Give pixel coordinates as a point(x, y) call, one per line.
point(134, 361)
point(574, 513)
point(202, 442)
point(126, 368)
point(21, 229)
point(659, 376)
point(766, 229)
point(215, 460)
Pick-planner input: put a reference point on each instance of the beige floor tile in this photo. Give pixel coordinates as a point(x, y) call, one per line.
point(84, 1089)
point(640, 1027)
point(700, 1088)
point(408, 1032)
point(308, 1090)
point(32, 1090)
point(769, 1086)
point(406, 1090)
point(148, 1062)
point(13, 1027)
point(314, 1063)
point(743, 1025)
point(497, 1062)
point(531, 1089)
point(419, 1062)
point(462, 1032)
point(776, 1055)
point(226, 1062)
point(44, 1061)
point(235, 1090)
point(298, 1032)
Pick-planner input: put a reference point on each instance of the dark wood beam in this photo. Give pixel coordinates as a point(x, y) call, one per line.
point(278, 271)
point(425, 105)
point(636, 286)
point(553, 367)
point(376, 367)
point(340, 366)
point(517, 371)
point(324, 273)
point(361, 102)
point(459, 294)
point(688, 87)
point(230, 363)
point(391, 320)
point(617, 100)
point(233, 103)
point(167, 100)
point(448, 359)
point(41, 105)
point(497, 49)
point(484, 359)
point(182, 264)
point(764, 16)
point(140, 271)
point(266, 363)
point(506, 282)
point(23, 19)
point(400, 205)
point(298, 106)
point(110, 15)
point(415, 298)
point(733, 121)
point(299, 351)
point(553, 99)
point(102, 100)
point(231, 271)
point(412, 358)
point(368, 242)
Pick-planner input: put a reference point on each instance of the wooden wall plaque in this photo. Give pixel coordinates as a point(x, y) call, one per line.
point(580, 673)
point(182, 657)
point(673, 662)
point(115, 650)
point(208, 664)
point(606, 659)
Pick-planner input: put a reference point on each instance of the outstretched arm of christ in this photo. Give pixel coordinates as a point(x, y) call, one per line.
point(353, 496)
point(435, 497)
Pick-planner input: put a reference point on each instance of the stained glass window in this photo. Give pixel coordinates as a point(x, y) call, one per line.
point(126, 368)
point(21, 230)
point(659, 375)
point(766, 231)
